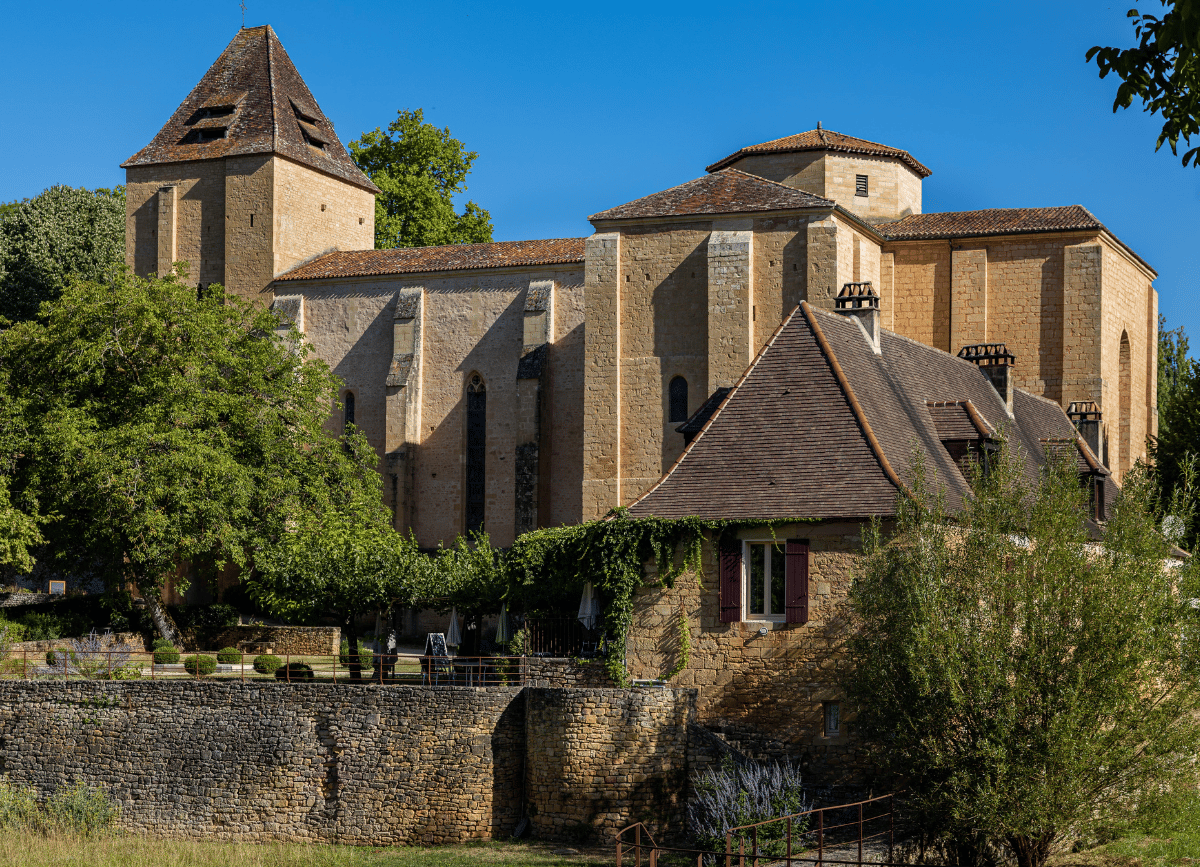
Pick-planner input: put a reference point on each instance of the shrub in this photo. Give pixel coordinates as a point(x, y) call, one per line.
point(51, 658)
point(89, 657)
point(129, 671)
point(294, 671)
point(229, 656)
point(364, 656)
point(164, 652)
point(10, 633)
point(267, 663)
point(81, 810)
point(741, 793)
point(200, 665)
point(18, 806)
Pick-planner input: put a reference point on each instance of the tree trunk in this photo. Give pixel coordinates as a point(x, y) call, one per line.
point(355, 650)
point(1031, 850)
point(162, 618)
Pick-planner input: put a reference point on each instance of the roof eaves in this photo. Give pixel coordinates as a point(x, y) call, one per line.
point(852, 399)
point(861, 223)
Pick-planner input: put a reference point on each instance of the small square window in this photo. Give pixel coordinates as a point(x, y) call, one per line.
point(833, 719)
point(58, 588)
point(765, 563)
point(860, 185)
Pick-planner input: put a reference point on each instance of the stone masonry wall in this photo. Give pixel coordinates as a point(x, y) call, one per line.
point(294, 640)
point(567, 673)
point(600, 759)
point(765, 693)
point(364, 765)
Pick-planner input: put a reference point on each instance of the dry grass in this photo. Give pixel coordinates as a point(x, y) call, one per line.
point(26, 849)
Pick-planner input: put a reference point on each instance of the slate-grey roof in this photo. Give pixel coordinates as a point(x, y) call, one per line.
point(729, 191)
point(824, 140)
point(273, 110)
point(821, 427)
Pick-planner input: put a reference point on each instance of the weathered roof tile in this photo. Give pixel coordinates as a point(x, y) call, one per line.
point(824, 140)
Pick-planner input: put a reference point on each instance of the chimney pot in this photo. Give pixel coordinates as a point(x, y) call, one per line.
point(1086, 417)
point(861, 301)
point(996, 361)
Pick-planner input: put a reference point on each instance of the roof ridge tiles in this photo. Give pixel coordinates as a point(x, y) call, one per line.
point(823, 139)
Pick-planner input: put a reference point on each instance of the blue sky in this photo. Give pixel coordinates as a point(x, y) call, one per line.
point(577, 108)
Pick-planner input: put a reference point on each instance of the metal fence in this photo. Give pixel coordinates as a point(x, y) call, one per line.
point(827, 835)
point(71, 663)
point(560, 637)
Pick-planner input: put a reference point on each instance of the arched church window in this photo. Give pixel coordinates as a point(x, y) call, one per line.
point(476, 453)
point(677, 399)
point(348, 410)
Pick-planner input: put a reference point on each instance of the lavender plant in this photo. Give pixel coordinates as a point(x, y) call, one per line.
point(92, 659)
point(740, 793)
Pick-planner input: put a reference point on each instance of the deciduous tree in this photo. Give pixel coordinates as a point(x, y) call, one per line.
point(1023, 678)
point(419, 169)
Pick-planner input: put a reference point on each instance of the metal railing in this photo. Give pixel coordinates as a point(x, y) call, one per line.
point(795, 841)
point(71, 664)
point(560, 636)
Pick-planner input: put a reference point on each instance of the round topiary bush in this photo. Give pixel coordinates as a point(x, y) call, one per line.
point(294, 671)
point(51, 658)
point(200, 665)
point(164, 652)
point(229, 656)
point(267, 663)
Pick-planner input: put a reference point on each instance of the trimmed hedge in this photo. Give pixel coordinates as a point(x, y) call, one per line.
point(266, 663)
point(200, 665)
point(229, 656)
point(294, 671)
point(364, 656)
point(164, 652)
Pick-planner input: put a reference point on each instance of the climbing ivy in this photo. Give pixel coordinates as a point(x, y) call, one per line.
point(685, 646)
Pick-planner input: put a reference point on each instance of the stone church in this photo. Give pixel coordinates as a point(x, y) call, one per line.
point(522, 384)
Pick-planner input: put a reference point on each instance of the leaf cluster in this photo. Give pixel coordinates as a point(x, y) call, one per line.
point(1022, 678)
point(1162, 70)
point(419, 169)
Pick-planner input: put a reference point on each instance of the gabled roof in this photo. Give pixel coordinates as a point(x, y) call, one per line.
point(992, 221)
point(726, 192)
point(821, 427)
point(823, 140)
point(449, 257)
point(252, 101)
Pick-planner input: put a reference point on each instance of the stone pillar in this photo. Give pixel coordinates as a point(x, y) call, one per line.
point(531, 375)
point(822, 263)
point(167, 220)
point(403, 409)
point(968, 298)
point(1081, 330)
point(730, 302)
point(602, 375)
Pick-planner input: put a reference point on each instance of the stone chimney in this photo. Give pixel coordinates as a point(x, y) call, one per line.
point(997, 362)
point(1086, 417)
point(861, 302)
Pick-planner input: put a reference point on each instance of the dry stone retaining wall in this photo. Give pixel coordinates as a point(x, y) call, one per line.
point(366, 765)
point(294, 640)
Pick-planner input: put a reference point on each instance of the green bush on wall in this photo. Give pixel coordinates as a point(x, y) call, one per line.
point(365, 658)
point(200, 665)
point(164, 652)
point(229, 656)
point(266, 663)
point(294, 671)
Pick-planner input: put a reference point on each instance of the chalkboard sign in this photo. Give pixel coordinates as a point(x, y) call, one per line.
point(435, 644)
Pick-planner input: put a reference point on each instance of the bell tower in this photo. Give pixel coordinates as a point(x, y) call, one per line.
point(247, 179)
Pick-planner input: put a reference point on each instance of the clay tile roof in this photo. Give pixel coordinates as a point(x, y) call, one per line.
point(821, 427)
point(256, 79)
point(451, 257)
point(823, 140)
point(725, 192)
point(993, 221)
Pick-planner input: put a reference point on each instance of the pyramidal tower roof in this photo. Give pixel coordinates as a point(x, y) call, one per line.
point(252, 101)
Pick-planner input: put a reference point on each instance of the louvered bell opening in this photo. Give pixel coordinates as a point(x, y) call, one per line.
point(860, 185)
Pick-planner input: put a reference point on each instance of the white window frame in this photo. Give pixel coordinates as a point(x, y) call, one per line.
point(775, 548)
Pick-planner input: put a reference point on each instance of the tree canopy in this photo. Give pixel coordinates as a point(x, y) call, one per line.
point(419, 168)
point(1175, 448)
point(1162, 70)
point(1024, 678)
point(49, 239)
point(165, 429)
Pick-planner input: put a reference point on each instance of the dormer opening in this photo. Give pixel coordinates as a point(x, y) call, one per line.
point(211, 133)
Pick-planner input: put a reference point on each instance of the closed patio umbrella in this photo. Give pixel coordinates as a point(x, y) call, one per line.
point(589, 606)
point(453, 636)
point(502, 633)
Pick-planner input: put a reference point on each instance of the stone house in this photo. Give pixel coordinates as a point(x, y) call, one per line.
point(817, 437)
point(523, 384)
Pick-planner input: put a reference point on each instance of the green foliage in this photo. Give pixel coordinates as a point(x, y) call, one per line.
point(549, 567)
point(165, 653)
point(1177, 445)
point(229, 656)
point(10, 633)
point(1162, 70)
point(294, 671)
point(685, 647)
point(419, 168)
point(364, 656)
point(129, 671)
point(265, 663)
point(199, 665)
point(1023, 679)
point(18, 806)
point(53, 238)
point(20, 523)
point(81, 810)
point(744, 793)
point(181, 430)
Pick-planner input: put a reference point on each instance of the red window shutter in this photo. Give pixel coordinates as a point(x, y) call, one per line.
point(731, 582)
point(795, 581)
